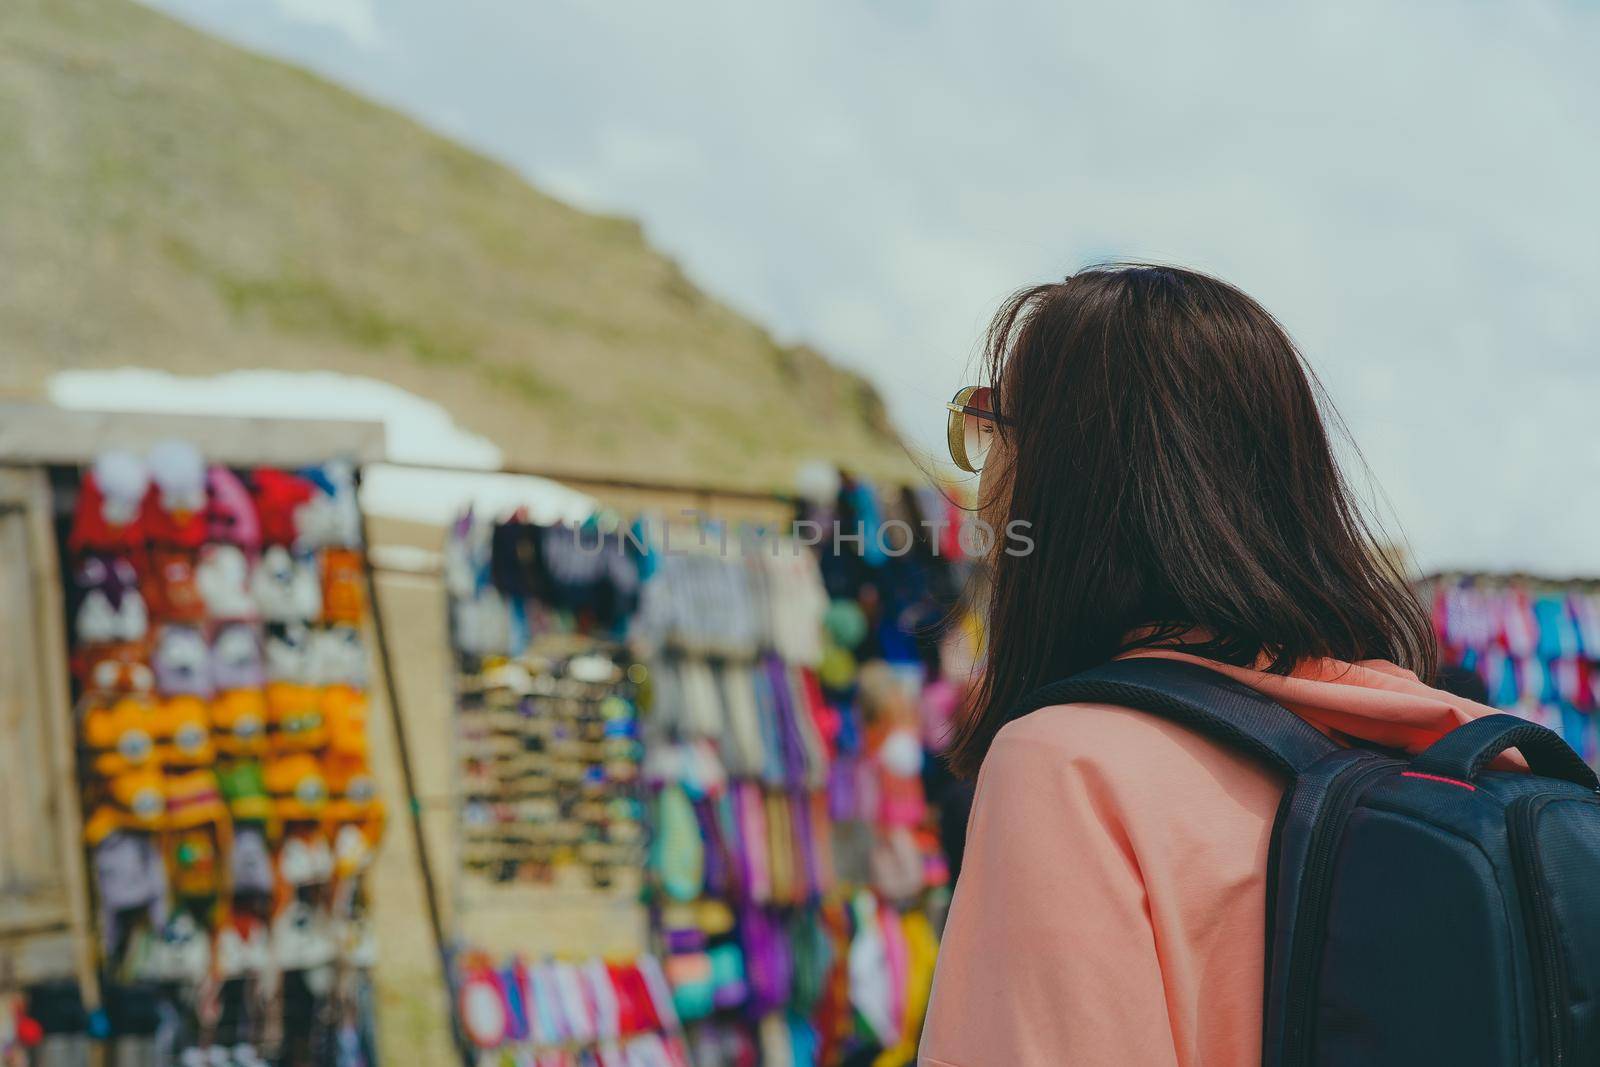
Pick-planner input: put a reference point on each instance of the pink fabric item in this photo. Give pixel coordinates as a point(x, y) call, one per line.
point(1111, 904)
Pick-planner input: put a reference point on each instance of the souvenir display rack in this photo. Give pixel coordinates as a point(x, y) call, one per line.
point(549, 761)
point(218, 618)
point(786, 702)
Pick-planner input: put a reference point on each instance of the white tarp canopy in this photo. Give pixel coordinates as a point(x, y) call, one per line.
point(416, 430)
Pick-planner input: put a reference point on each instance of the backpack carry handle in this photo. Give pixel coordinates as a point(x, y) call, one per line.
point(1465, 751)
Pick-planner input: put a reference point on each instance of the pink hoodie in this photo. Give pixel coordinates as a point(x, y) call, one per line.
point(1111, 906)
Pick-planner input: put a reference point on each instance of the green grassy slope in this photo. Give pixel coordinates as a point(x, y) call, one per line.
point(168, 200)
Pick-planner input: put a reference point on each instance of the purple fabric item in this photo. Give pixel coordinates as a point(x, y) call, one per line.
point(236, 659)
point(741, 804)
point(772, 768)
point(109, 605)
point(805, 842)
point(843, 805)
point(716, 854)
point(251, 862)
point(111, 576)
point(682, 939)
point(129, 874)
point(182, 662)
point(794, 754)
point(766, 960)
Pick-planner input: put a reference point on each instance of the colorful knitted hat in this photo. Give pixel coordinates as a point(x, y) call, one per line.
point(136, 800)
point(194, 799)
point(298, 787)
point(108, 516)
point(296, 717)
point(245, 790)
point(182, 661)
point(121, 736)
point(183, 732)
point(175, 508)
point(110, 607)
point(170, 588)
point(230, 513)
point(343, 593)
point(236, 657)
point(239, 722)
point(277, 495)
point(223, 579)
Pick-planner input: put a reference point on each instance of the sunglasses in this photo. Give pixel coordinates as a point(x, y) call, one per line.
point(971, 427)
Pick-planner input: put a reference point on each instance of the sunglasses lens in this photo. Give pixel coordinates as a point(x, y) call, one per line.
point(956, 431)
point(977, 433)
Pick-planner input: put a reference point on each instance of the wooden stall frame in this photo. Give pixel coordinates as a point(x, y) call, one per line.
point(27, 492)
point(35, 437)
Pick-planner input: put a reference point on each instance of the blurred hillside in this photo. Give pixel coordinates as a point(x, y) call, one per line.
point(174, 202)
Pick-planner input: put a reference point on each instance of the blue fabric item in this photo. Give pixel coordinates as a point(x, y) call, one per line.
point(642, 548)
point(864, 502)
point(1574, 726)
point(773, 768)
point(1549, 691)
point(319, 478)
point(511, 984)
point(521, 632)
point(792, 748)
point(803, 1041)
point(849, 739)
point(1505, 694)
point(1550, 614)
point(895, 642)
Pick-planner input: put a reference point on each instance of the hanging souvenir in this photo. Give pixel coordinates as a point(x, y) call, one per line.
point(286, 588)
point(109, 512)
point(175, 506)
point(230, 812)
point(111, 609)
point(277, 496)
point(222, 578)
point(343, 597)
point(182, 661)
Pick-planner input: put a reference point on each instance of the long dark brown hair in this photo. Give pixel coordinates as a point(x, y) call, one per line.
point(1164, 444)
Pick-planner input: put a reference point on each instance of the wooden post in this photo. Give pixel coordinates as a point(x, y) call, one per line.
point(56, 705)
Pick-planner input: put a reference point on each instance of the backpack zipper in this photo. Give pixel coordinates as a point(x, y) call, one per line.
point(1305, 953)
point(1536, 913)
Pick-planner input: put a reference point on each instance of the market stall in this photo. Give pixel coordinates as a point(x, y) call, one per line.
point(737, 724)
point(1534, 642)
point(199, 657)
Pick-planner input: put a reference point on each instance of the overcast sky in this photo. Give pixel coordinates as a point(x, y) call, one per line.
point(1411, 188)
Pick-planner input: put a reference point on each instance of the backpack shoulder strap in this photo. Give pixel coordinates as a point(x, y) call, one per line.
point(1202, 699)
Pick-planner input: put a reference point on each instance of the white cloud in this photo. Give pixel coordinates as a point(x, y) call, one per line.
point(357, 20)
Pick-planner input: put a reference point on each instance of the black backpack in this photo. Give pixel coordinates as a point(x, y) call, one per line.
point(1420, 910)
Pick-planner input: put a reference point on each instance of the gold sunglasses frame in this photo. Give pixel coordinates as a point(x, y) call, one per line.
point(960, 407)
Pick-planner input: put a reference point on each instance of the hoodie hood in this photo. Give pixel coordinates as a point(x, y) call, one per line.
point(1373, 700)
